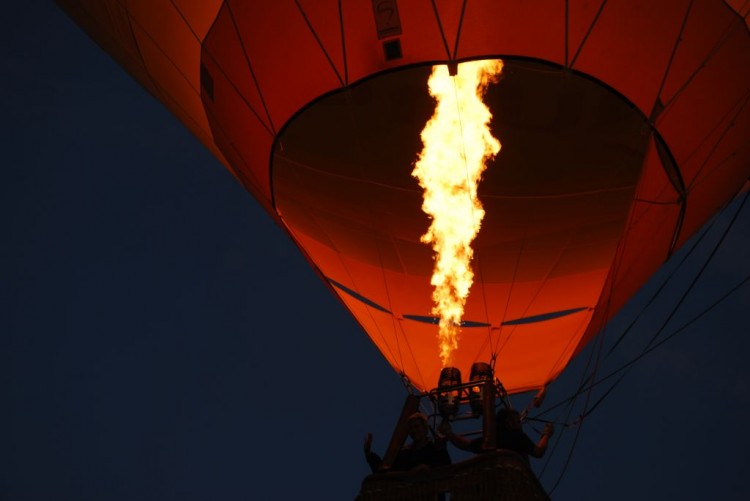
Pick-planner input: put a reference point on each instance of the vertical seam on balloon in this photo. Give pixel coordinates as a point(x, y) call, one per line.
point(705, 138)
point(484, 303)
point(346, 269)
point(722, 40)
point(234, 171)
point(581, 330)
point(411, 352)
point(674, 175)
point(249, 183)
point(538, 291)
point(208, 132)
point(243, 178)
point(496, 349)
point(617, 261)
point(740, 106)
point(132, 20)
point(567, 30)
point(204, 49)
point(166, 97)
point(241, 96)
point(393, 357)
point(616, 266)
point(398, 321)
point(174, 5)
point(157, 88)
point(250, 68)
point(484, 345)
point(588, 32)
point(718, 165)
point(673, 54)
point(541, 286)
point(343, 43)
point(677, 182)
point(320, 42)
point(683, 208)
point(460, 26)
point(368, 309)
point(678, 226)
point(388, 297)
point(696, 242)
point(440, 27)
point(400, 358)
point(393, 319)
point(669, 164)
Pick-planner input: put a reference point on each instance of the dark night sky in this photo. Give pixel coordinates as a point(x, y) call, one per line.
point(161, 338)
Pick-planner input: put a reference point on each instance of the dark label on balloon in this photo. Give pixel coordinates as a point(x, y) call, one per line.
point(386, 18)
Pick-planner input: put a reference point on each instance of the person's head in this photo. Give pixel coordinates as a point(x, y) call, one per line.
point(417, 426)
point(508, 419)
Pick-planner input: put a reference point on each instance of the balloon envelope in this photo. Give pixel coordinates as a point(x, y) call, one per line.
point(624, 127)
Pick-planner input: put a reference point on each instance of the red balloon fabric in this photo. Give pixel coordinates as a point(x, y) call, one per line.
point(624, 124)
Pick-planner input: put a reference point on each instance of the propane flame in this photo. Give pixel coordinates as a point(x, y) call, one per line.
point(457, 142)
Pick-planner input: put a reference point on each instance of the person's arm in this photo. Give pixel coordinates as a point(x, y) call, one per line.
point(372, 459)
point(446, 431)
point(541, 446)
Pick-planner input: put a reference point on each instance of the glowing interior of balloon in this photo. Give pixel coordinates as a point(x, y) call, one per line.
point(457, 143)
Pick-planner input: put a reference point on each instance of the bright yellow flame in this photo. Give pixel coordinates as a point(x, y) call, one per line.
point(457, 141)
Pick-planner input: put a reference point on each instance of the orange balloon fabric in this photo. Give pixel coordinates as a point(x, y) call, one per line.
point(625, 126)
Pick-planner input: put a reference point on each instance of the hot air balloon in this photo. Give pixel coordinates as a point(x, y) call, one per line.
point(624, 127)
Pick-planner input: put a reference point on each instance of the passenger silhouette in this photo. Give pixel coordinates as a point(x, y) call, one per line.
point(421, 452)
point(508, 435)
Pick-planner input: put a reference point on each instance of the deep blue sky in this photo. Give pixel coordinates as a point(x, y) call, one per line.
point(161, 338)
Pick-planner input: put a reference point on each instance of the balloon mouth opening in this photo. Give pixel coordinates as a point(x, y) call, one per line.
point(341, 178)
point(340, 169)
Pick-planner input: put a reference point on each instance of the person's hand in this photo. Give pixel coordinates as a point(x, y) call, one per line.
point(368, 443)
point(549, 429)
